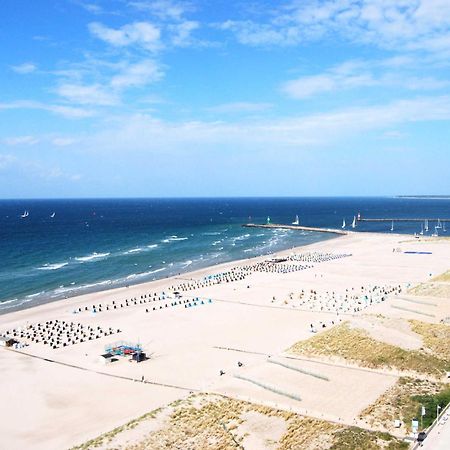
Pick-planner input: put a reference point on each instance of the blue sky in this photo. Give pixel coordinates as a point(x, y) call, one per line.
point(131, 98)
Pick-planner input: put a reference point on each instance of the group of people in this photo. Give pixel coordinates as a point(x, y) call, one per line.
point(281, 265)
point(351, 301)
point(58, 333)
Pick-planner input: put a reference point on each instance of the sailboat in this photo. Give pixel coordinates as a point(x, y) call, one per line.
point(435, 234)
point(392, 226)
point(268, 220)
point(354, 222)
point(439, 224)
point(443, 227)
point(343, 223)
point(52, 215)
point(296, 221)
point(421, 230)
point(25, 214)
point(426, 225)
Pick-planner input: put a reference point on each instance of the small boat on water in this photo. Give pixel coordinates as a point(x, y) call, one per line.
point(421, 230)
point(435, 234)
point(426, 225)
point(268, 220)
point(443, 227)
point(354, 222)
point(52, 215)
point(392, 226)
point(343, 224)
point(439, 226)
point(296, 221)
point(25, 214)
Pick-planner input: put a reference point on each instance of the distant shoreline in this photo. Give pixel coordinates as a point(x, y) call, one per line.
point(424, 197)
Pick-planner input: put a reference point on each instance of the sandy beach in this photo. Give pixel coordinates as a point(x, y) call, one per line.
point(235, 340)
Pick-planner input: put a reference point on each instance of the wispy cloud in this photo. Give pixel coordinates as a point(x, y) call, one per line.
point(24, 68)
point(87, 95)
point(300, 132)
point(6, 160)
point(144, 34)
point(163, 9)
point(360, 74)
point(69, 112)
point(181, 33)
point(20, 140)
point(419, 24)
point(139, 74)
point(240, 107)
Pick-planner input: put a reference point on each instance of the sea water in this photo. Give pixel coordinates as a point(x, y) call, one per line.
point(91, 245)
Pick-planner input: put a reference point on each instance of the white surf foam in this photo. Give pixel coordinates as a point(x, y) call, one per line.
point(55, 266)
point(92, 257)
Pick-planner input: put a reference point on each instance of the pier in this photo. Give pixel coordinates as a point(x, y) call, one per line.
point(295, 227)
point(404, 219)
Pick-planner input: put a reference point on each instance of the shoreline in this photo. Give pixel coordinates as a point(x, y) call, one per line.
point(107, 288)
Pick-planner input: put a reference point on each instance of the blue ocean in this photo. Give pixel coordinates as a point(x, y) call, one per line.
point(64, 248)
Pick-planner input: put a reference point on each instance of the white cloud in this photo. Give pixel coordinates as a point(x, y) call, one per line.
point(21, 140)
point(181, 32)
point(6, 160)
point(163, 9)
point(143, 34)
point(418, 24)
point(144, 133)
point(62, 110)
point(358, 74)
point(86, 95)
point(63, 141)
point(138, 74)
point(24, 68)
point(240, 107)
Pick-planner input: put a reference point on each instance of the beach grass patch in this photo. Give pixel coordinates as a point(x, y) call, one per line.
point(401, 401)
point(445, 277)
point(355, 345)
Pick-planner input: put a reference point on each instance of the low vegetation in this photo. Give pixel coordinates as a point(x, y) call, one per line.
point(430, 402)
point(356, 346)
point(443, 277)
point(402, 401)
point(436, 337)
point(207, 422)
point(430, 289)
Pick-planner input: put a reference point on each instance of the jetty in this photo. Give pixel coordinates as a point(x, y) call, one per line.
point(401, 219)
point(295, 227)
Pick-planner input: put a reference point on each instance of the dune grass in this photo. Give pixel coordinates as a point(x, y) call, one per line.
point(443, 277)
point(356, 346)
point(436, 337)
point(401, 401)
point(430, 289)
point(211, 422)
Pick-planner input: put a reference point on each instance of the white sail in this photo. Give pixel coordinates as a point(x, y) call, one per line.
point(25, 214)
point(392, 226)
point(426, 225)
point(443, 227)
point(439, 224)
point(421, 230)
point(343, 223)
point(52, 215)
point(268, 220)
point(296, 221)
point(354, 222)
